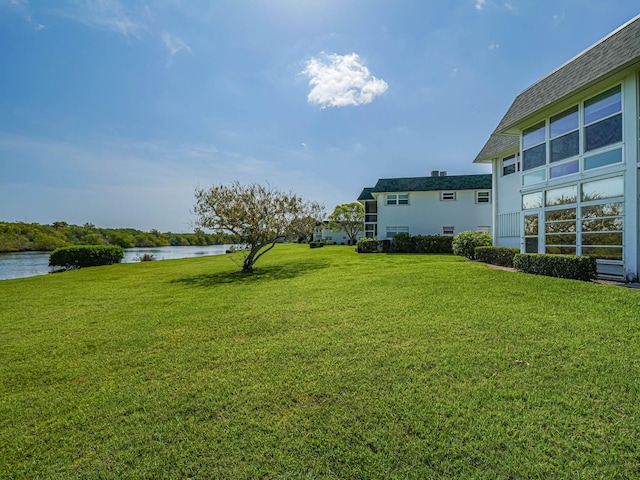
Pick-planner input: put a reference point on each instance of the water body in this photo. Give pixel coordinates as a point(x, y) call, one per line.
point(30, 264)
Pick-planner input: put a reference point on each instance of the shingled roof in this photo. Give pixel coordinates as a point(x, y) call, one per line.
point(497, 145)
point(614, 53)
point(428, 184)
point(366, 194)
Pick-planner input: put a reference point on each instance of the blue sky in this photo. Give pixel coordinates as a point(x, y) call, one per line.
point(112, 112)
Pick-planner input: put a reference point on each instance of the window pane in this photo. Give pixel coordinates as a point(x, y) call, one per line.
point(603, 105)
point(601, 134)
point(391, 200)
point(564, 169)
point(561, 250)
point(562, 196)
point(531, 245)
point(566, 239)
point(533, 135)
point(608, 238)
point(403, 199)
point(532, 200)
point(535, 177)
point(563, 122)
point(602, 225)
point(603, 210)
point(607, 188)
point(605, 253)
point(534, 157)
point(531, 224)
point(565, 146)
point(560, 215)
point(602, 159)
point(560, 227)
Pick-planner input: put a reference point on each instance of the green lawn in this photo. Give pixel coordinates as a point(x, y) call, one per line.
point(323, 364)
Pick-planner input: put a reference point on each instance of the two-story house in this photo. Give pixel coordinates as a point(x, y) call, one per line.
point(434, 205)
point(565, 159)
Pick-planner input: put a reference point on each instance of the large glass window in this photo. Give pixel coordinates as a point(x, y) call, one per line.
point(560, 231)
point(599, 189)
point(564, 135)
point(510, 165)
point(561, 196)
point(531, 233)
point(532, 200)
point(603, 119)
point(534, 148)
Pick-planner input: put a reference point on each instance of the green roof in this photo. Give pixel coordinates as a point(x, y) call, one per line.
point(366, 194)
point(428, 184)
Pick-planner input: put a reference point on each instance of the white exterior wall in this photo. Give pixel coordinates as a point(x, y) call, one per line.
point(327, 235)
point(427, 214)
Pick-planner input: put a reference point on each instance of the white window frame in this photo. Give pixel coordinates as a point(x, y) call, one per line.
point(392, 230)
point(448, 196)
point(484, 229)
point(397, 199)
point(448, 230)
point(482, 198)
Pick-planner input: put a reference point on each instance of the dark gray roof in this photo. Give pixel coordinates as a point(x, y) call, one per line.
point(427, 184)
point(366, 194)
point(497, 145)
point(615, 52)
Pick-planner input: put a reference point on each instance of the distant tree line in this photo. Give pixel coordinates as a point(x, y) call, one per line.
point(18, 237)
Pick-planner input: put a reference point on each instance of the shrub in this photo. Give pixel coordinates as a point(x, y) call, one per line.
point(316, 244)
point(433, 244)
point(371, 245)
point(502, 256)
point(561, 266)
point(403, 243)
point(465, 243)
point(147, 257)
point(69, 258)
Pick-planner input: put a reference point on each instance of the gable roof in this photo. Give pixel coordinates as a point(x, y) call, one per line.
point(366, 194)
point(497, 145)
point(428, 184)
point(614, 53)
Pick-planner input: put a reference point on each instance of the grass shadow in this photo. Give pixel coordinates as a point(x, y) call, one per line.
point(276, 272)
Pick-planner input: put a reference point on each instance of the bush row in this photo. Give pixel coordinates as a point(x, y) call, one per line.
point(502, 256)
point(316, 244)
point(405, 243)
point(561, 266)
point(371, 245)
point(69, 258)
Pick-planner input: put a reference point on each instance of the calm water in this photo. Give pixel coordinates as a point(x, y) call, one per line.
point(29, 264)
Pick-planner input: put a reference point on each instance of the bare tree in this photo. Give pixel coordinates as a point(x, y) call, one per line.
point(260, 216)
point(348, 217)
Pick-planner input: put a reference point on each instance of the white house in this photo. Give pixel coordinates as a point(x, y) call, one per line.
point(435, 205)
point(565, 159)
point(322, 233)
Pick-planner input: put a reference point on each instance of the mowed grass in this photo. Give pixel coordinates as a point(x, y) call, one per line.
point(323, 364)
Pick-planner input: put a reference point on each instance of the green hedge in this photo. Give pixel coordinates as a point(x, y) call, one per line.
point(465, 243)
point(69, 258)
point(561, 266)
point(371, 245)
point(502, 256)
point(405, 243)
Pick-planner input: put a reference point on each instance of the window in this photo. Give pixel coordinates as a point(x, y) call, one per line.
point(391, 231)
point(447, 196)
point(448, 230)
point(583, 218)
point(580, 138)
point(483, 197)
point(484, 229)
point(398, 199)
point(510, 165)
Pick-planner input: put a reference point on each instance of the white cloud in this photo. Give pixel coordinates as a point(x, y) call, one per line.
point(480, 4)
point(341, 80)
point(558, 18)
point(494, 46)
point(175, 45)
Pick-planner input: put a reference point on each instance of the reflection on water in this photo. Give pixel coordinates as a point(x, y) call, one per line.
point(30, 264)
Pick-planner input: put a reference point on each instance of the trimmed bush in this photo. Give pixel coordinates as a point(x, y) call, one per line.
point(70, 258)
point(403, 243)
point(560, 266)
point(371, 245)
point(316, 244)
point(433, 244)
point(502, 256)
point(465, 243)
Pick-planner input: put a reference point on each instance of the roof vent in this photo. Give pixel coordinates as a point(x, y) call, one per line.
point(443, 174)
point(438, 173)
